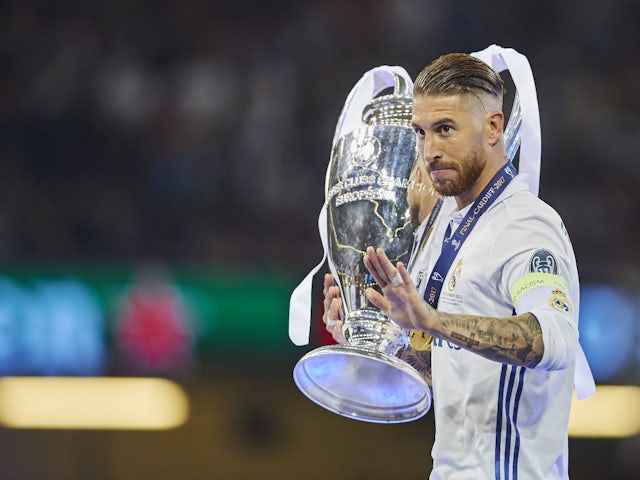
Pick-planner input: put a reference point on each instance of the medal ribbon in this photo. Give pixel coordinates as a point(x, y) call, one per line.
point(418, 242)
point(451, 245)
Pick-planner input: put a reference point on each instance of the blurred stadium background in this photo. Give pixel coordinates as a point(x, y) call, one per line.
point(161, 170)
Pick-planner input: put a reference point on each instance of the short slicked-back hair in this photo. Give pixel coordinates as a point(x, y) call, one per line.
point(459, 73)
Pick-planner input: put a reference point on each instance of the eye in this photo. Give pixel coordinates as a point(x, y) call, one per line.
point(444, 129)
point(419, 132)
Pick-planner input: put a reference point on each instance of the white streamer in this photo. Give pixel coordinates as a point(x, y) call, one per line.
point(300, 302)
point(501, 59)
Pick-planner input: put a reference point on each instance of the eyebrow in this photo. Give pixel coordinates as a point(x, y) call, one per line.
point(437, 124)
point(444, 120)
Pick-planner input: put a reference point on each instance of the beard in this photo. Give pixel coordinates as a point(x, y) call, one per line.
point(414, 214)
point(469, 171)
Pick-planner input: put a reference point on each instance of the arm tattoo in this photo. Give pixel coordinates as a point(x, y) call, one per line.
point(513, 340)
point(418, 359)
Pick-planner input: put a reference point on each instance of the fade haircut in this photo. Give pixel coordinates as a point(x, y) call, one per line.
point(459, 74)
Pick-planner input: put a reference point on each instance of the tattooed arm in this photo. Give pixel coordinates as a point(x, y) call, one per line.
point(515, 340)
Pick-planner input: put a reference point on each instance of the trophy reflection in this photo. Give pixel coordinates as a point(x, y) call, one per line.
point(366, 191)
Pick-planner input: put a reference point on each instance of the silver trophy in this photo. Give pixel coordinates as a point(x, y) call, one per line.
point(373, 152)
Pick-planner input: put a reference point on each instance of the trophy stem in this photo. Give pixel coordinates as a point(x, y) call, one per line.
point(371, 329)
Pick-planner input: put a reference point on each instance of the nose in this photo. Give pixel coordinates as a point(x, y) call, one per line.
point(430, 151)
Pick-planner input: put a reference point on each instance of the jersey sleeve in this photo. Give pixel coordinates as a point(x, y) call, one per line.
point(540, 277)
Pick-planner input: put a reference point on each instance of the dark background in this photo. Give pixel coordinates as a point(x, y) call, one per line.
point(197, 133)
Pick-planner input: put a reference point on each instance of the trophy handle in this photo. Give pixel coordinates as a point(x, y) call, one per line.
point(513, 129)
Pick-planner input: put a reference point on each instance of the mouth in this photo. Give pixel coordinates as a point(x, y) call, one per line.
point(438, 171)
point(438, 165)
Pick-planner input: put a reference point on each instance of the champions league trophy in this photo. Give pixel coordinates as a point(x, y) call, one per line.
point(373, 152)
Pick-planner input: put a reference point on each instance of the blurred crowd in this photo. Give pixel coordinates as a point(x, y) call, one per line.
point(200, 131)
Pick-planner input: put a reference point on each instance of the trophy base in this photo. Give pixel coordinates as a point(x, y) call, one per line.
point(363, 384)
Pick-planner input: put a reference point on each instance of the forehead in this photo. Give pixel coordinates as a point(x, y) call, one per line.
point(432, 108)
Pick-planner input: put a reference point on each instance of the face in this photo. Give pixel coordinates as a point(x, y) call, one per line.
point(449, 132)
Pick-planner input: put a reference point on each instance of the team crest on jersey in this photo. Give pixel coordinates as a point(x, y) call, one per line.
point(454, 278)
point(543, 261)
point(559, 301)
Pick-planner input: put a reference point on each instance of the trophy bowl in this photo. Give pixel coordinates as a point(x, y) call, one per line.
point(373, 153)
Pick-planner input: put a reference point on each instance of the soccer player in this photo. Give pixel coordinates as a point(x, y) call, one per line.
point(496, 287)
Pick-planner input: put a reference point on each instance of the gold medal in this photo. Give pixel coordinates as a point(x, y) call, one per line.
point(420, 340)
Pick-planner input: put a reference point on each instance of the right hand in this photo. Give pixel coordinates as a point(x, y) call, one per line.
point(332, 316)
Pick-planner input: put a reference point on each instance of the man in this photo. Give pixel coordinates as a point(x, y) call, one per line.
point(497, 288)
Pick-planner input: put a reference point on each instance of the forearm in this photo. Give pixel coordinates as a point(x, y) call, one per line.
point(515, 340)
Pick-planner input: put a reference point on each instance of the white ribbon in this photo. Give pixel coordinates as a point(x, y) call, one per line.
point(300, 302)
point(583, 379)
point(508, 59)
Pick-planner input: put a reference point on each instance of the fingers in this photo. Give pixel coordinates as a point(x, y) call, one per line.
point(382, 270)
point(333, 321)
point(337, 333)
point(332, 316)
point(396, 280)
point(404, 273)
point(372, 263)
point(334, 312)
point(377, 299)
point(326, 291)
point(330, 293)
point(328, 281)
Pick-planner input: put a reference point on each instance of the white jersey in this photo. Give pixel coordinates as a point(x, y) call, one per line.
point(496, 421)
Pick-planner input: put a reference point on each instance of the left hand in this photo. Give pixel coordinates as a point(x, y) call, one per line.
point(401, 300)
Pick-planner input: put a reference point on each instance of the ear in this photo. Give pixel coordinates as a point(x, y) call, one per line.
point(494, 125)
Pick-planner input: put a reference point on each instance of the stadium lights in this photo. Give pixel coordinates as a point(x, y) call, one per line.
point(611, 413)
point(92, 403)
point(109, 403)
